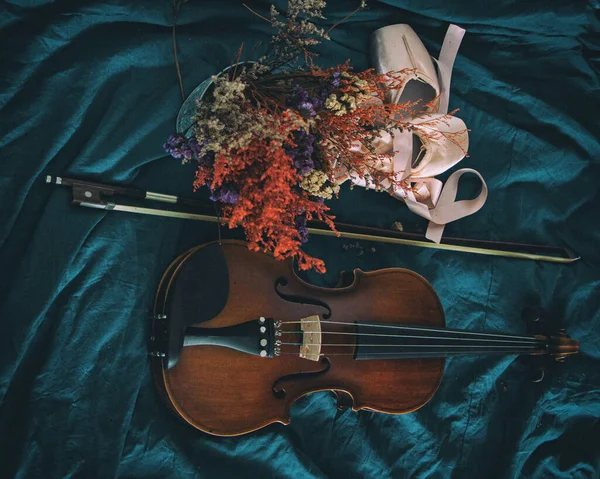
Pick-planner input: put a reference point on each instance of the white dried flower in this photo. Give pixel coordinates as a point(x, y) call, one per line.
point(310, 8)
point(316, 183)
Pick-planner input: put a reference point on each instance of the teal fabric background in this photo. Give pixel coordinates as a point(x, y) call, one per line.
point(88, 89)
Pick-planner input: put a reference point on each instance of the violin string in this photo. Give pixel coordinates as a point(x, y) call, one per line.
point(415, 355)
point(401, 345)
point(415, 329)
point(521, 341)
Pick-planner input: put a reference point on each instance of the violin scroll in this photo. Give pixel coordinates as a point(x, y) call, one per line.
point(560, 346)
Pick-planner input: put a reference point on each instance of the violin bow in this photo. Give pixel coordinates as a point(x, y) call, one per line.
point(93, 195)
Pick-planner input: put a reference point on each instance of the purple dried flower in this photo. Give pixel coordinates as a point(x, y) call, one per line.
point(302, 154)
point(331, 87)
point(195, 146)
point(187, 152)
point(307, 108)
point(317, 102)
point(178, 146)
point(304, 103)
point(301, 94)
point(225, 194)
point(175, 153)
point(301, 225)
point(304, 165)
point(176, 140)
point(310, 106)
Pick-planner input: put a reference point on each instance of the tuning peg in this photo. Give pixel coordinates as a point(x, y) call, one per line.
point(532, 315)
point(538, 375)
point(535, 367)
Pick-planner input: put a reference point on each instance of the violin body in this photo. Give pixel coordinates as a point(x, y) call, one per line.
point(235, 356)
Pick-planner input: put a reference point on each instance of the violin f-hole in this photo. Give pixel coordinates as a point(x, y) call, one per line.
point(293, 298)
point(280, 393)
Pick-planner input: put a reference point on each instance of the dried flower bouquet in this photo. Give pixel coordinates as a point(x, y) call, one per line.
point(273, 136)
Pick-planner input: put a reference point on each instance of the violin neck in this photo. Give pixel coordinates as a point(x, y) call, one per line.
point(375, 341)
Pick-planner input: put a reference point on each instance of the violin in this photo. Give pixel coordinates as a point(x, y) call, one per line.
point(238, 337)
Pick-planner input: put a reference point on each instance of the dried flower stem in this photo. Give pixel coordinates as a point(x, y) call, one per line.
point(258, 14)
point(237, 60)
point(176, 6)
point(256, 47)
point(344, 19)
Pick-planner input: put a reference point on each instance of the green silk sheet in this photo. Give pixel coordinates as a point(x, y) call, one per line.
point(89, 89)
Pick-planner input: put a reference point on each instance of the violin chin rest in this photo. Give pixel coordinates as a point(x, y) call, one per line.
point(199, 292)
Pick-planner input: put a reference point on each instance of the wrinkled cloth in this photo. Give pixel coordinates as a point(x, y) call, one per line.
point(89, 89)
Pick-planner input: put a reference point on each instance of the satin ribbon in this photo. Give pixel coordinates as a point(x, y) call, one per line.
point(445, 63)
point(426, 196)
point(446, 208)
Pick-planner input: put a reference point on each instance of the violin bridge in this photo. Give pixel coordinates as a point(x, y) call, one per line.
point(311, 338)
